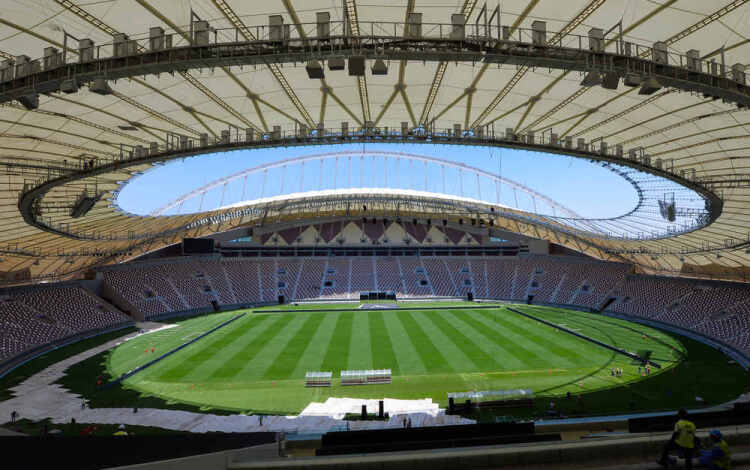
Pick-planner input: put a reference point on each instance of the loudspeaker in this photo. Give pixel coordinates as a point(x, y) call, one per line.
point(282, 300)
point(314, 70)
point(611, 81)
point(379, 68)
point(357, 65)
point(336, 63)
point(470, 297)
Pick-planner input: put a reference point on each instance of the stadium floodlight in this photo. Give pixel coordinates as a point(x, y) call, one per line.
point(649, 86)
point(592, 78)
point(314, 70)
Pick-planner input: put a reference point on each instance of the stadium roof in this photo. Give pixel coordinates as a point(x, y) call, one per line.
point(499, 75)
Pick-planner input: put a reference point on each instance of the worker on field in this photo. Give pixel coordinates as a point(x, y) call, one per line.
point(719, 457)
point(682, 441)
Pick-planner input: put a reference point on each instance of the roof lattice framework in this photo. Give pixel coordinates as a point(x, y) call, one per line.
point(696, 132)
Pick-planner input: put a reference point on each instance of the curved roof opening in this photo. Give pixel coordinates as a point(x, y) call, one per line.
point(533, 182)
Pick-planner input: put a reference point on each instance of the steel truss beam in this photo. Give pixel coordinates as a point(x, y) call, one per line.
point(260, 52)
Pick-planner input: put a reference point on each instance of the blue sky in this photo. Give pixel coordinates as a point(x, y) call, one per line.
point(578, 184)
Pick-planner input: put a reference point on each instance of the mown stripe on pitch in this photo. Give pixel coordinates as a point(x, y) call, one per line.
point(445, 340)
point(559, 346)
point(254, 370)
point(337, 355)
point(612, 332)
point(162, 341)
point(553, 345)
point(360, 356)
point(409, 361)
point(209, 351)
point(285, 362)
point(381, 347)
point(246, 354)
point(562, 342)
point(533, 356)
point(512, 355)
point(432, 358)
point(477, 355)
point(312, 357)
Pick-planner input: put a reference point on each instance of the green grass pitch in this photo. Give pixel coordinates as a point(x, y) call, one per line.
point(258, 363)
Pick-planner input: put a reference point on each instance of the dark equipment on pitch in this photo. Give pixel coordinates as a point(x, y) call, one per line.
point(375, 295)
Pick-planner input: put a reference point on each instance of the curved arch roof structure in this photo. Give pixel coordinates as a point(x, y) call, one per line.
point(82, 116)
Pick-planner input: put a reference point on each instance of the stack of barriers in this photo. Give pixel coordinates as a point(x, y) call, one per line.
point(318, 379)
point(379, 376)
point(364, 377)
